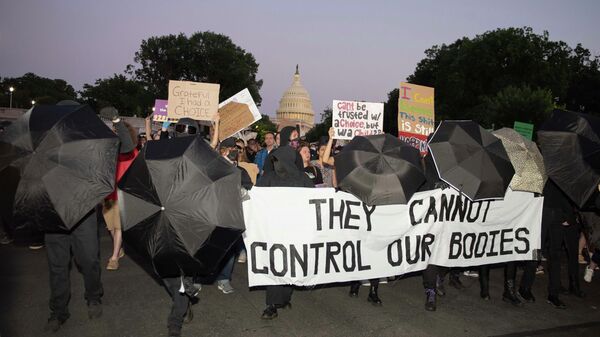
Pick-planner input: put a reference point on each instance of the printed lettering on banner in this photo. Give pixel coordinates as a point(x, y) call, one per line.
point(304, 236)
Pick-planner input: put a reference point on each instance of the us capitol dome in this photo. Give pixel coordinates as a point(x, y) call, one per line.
point(295, 107)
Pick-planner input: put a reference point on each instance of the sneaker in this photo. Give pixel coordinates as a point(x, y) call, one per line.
point(94, 309)
point(242, 258)
point(36, 246)
point(589, 273)
point(225, 286)
point(539, 270)
point(471, 273)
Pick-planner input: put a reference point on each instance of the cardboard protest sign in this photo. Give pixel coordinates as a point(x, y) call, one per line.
point(416, 114)
point(233, 117)
point(352, 118)
point(195, 100)
point(235, 120)
point(244, 97)
point(160, 112)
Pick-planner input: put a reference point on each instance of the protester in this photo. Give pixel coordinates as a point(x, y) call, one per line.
point(433, 276)
point(83, 242)
point(313, 172)
point(110, 208)
point(288, 138)
point(285, 173)
point(262, 155)
point(251, 150)
point(231, 153)
point(327, 168)
point(559, 222)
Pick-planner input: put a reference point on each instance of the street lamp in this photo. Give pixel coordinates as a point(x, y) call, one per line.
point(11, 89)
point(32, 102)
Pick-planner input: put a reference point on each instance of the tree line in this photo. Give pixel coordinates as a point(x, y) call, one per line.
point(494, 78)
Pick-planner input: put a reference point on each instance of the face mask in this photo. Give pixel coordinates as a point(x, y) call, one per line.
point(233, 154)
point(294, 143)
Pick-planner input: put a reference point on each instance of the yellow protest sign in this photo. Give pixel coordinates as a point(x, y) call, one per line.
point(416, 114)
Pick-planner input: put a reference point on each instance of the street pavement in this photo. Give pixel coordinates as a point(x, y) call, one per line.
point(136, 305)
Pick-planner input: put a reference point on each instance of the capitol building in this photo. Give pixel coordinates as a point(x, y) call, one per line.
point(295, 107)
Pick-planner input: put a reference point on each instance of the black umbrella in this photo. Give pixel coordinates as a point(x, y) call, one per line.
point(379, 170)
point(471, 159)
point(570, 144)
point(181, 206)
point(56, 164)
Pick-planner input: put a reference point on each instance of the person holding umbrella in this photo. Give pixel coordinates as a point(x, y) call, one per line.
point(559, 222)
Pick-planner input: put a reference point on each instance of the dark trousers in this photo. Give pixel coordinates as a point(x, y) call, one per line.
point(557, 235)
point(83, 241)
point(279, 295)
point(180, 302)
point(430, 275)
point(510, 274)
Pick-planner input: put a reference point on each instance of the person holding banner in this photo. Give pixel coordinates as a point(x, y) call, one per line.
point(285, 173)
point(313, 172)
point(288, 138)
point(433, 276)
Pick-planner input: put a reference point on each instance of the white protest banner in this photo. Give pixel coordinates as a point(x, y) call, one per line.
point(195, 100)
point(352, 118)
point(306, 236)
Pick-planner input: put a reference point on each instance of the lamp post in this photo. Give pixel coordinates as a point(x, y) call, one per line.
point(11, 89)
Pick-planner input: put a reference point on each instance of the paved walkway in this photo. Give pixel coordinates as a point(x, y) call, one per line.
point(135, 305)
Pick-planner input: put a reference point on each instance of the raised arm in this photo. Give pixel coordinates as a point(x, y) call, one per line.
point(327, 158)
point(214, 141)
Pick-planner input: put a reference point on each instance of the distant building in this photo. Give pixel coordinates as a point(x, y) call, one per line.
point(295, 107)
point(8, 114)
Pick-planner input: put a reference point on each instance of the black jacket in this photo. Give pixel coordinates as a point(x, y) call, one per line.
point(285, 173)
point(557, 207)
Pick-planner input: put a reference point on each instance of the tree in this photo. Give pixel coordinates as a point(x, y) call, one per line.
point(129, 96)
point(202, 57)
point(471, 75)
point(321, 129)
point(515, 104)
point(262, 126)
point(33, 87)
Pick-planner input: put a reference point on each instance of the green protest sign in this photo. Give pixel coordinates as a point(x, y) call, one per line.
point(524, 129)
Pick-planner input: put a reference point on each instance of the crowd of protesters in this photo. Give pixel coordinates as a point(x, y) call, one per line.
point(283, 159)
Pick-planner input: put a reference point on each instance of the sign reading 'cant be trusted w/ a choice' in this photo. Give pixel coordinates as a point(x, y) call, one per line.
point(195, 100)
point(351, 118)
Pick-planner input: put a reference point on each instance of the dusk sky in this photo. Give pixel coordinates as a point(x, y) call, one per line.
point(355, 50)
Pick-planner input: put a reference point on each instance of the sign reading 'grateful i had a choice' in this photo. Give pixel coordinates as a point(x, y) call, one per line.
point(199, 101)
